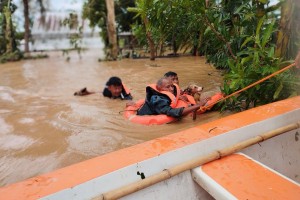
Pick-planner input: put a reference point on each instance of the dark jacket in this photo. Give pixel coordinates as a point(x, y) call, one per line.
point(158, 103)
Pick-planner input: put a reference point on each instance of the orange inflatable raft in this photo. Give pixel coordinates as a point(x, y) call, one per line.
point(130, 112)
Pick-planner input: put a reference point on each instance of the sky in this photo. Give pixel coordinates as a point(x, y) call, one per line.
point(60, 5)
point(51, 5)
point(56, 5)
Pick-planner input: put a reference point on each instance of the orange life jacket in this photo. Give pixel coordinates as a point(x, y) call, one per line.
point(172, 97)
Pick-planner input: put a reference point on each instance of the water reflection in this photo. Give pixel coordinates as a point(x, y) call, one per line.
point(44, 127)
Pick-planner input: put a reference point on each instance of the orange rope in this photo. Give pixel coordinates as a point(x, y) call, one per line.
point(204, 108)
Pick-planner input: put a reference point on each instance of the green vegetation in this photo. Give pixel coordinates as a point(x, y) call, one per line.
point(8, 38)
point(254, 62)
point(75, 38)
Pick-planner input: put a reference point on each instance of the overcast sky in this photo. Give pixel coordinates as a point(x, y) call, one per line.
point(51, 5)
point(61, 5)
point(54, 5)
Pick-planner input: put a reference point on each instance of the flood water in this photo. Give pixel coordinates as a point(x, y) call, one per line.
point(44, 127)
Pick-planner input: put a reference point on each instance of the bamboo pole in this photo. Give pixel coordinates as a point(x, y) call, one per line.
point(168, 173)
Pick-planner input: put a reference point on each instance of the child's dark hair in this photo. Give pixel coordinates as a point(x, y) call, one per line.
point(114, 81)
point(170, 73)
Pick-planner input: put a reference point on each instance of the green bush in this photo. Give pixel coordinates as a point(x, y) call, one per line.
point(255, 62)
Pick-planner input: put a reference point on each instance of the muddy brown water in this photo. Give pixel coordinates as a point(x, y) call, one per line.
point(44, 127)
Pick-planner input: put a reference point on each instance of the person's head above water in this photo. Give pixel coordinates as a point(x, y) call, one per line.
point(115, 86)
point(165, 84)
point(173, 76)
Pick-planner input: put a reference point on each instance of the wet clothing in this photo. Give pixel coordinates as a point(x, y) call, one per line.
point(160, 103)
point(125, 94)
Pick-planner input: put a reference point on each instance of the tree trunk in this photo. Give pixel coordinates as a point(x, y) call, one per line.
point(8, 31)
point(150, 40)
point(111, 29)
point(284, 32)
point(174, 44)
point(200, 42)
point(26, 25)
point(293, 44)
point(161, 48)
point(199, 37)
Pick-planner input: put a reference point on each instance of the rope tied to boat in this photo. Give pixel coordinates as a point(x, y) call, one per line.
point(206, 107)
point(202, 108)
